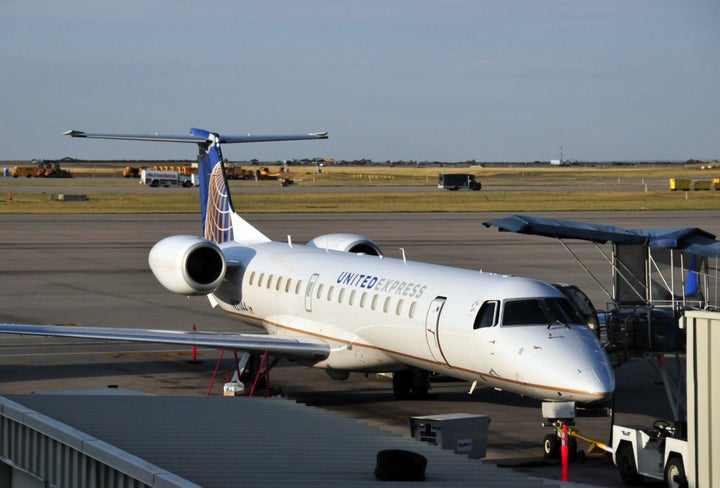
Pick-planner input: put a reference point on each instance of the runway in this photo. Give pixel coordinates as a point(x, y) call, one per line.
point(92, 270)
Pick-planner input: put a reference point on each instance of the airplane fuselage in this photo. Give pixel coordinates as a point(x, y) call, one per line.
point(382, 314)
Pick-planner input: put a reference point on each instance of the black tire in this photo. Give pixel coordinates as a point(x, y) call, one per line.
point(625, 460)
point(400, 465)
point(154, 183)
point(675, 473)
point(572, 449)
point(402, 384)
point(551, 446)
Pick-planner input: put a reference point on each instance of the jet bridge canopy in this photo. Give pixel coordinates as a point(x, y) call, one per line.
point(690, 239)
point(655, 271)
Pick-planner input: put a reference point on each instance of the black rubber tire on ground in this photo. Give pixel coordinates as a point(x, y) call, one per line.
point(402, 384)
point(626, 465)
point(551, 446)
point(400, 465)
point(572, 449)
point(675, 473)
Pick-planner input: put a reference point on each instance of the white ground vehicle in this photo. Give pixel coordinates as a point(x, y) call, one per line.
point(659, 453)
point(157, 178)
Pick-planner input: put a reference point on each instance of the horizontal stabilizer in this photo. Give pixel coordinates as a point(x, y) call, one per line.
point(196, 137)
point(297, 348)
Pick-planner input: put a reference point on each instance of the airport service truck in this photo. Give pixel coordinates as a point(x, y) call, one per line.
point(455, 181)
point(157, 178)
point(659, 453)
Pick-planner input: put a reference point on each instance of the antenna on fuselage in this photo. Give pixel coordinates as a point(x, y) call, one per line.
point(402, 250)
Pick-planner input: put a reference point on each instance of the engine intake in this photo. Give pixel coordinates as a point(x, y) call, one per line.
point(188, 265)
point(346, 243)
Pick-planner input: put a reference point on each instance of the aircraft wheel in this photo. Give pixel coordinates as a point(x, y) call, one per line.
point(572, 450)
point(675, 473)
point(626, 464)
point(551, 446)
point(402, 384)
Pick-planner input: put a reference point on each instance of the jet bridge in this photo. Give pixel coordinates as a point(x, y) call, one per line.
point(657, 274)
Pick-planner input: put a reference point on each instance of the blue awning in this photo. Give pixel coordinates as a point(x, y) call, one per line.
point(690, 239)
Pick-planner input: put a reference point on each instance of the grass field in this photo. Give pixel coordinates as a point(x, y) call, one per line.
point(608, 188)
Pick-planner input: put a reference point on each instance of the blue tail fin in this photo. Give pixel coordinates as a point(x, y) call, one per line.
point(220, 223)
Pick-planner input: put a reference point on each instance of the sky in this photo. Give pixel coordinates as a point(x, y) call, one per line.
point(422, 80)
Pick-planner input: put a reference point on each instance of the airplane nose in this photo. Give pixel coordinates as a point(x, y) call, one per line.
point(593, 379)
point(594, 384)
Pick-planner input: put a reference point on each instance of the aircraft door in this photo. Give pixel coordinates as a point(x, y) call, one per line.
point(432, 329)
point(309, 292)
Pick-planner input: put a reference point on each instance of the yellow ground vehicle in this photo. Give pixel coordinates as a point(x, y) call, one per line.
point(23, 171)
point(131, 172)
point(264, 174)
point(238, 173)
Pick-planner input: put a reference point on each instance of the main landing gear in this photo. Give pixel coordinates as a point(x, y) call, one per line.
point(411, 383)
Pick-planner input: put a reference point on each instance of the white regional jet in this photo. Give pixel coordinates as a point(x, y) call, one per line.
point(337, 303)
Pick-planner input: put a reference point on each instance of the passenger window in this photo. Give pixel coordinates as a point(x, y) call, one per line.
point(352, 297)
point(386, 307)
point(319, 291)
point(398, 308)
point(298, 287)
point(278, 285)
point(487, 315)
point(363, 299)
point(270, 280)
point(341, 295)
point(252, 278)
point(288, 284)
point(373, 304)
point(261, 279)
point(411, 313)
point(331, 291)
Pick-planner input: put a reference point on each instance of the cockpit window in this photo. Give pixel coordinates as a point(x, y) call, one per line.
point(487, 315)
point(523, 312)
point(540, 311)
point(561, 310)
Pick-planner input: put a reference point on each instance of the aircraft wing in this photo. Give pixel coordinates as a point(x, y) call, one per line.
point(298, 348)
point(197, 136)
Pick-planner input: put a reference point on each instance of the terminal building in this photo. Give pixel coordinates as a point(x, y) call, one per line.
point(128, 440)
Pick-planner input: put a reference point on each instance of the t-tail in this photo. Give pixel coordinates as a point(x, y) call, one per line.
point(220, 222)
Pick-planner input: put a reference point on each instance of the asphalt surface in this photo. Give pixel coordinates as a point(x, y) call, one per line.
point(92, 270)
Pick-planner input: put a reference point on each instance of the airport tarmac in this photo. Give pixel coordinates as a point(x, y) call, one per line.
point(92, 270)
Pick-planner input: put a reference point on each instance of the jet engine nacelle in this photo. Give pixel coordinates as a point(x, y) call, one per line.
point(346, 243)
point(188, 265)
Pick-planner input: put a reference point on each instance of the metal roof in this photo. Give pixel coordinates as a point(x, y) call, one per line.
point(223, 441)
point(690, 239)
